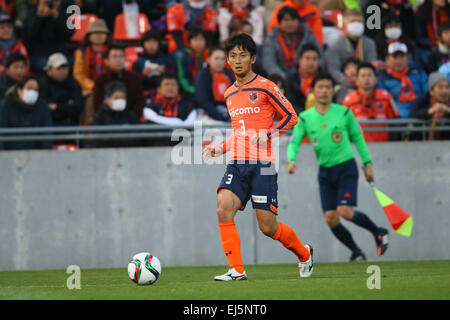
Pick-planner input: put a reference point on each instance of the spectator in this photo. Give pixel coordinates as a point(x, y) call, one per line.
point(115, 61)
point(242, 10)
point(187, 62)
point(434, 104)
point(308, 15)
point(22, 107)
point(350, 44)
point(429, 16)
point(211, 83)
point(299, 84)
point(61, 91)
point(8, 43)
point(392, 31)
point(349, 68)
point(151, 64)
point(404, 79)
point(401, 9)
point(168, 107)
point(440, 54)
point(45, 32)
point(368, 102)
point(283, 44)
point(15, 70)
point(90, 64)
point(114, 111)
point(187, 15)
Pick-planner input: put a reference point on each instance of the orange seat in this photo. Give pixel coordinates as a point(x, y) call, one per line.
point(131, 55)
point(335, 17)
point(85, 20)
point(120, 29)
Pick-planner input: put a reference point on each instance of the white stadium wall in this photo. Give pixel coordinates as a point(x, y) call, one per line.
point(96, 208)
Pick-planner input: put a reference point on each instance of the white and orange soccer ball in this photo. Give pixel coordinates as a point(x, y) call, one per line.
point(144, 268)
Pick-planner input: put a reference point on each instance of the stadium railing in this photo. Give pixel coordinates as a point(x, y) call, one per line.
point(153, 131)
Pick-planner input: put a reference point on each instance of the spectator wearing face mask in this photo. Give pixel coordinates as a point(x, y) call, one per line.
point(352, 43)
point(392, 31)
point(114, 111)
point(22, 107)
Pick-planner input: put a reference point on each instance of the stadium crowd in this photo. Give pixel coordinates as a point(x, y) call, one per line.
point(162, 61)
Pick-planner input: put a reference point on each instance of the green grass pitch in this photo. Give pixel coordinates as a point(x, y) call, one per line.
point(398, 279)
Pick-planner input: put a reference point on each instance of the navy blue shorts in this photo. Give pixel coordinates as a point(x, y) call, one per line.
point(255, 181)
point(338, 185)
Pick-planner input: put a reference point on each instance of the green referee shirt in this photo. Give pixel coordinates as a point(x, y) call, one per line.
point(331, 135)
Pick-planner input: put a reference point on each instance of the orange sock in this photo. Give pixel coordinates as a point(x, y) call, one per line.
point(289, 239)
point(231, 244)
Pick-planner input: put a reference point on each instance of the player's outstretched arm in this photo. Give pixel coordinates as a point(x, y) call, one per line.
point(294, 145)
point(357, 137)
point(212, 151)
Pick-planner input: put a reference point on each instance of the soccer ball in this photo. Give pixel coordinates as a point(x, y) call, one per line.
point(144, 268)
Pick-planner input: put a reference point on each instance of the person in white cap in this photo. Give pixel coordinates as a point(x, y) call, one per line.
point(62, 91)
point(404, 79)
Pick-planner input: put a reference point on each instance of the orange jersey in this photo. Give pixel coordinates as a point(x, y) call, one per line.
point(379, 105)
point(252, 108)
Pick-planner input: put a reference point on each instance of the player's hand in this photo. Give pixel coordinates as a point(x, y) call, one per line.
point(368, 171)
point(259, 138)
point(211, 151)
point(291, 168)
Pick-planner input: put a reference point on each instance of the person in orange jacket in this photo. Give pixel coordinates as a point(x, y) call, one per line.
point(190, 14)
point(308, 14)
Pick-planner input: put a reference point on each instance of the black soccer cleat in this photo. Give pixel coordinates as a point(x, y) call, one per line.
point(382, 241)
point(357, 256)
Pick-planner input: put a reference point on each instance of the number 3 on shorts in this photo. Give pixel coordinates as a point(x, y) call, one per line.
point(229, 178)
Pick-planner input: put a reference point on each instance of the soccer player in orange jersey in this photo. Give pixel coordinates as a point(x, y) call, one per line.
point(252, 103)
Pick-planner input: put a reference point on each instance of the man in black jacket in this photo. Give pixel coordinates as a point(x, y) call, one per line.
point(62, 92)
point(46, 32)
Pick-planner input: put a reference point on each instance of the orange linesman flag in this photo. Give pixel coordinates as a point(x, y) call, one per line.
point(401, 221)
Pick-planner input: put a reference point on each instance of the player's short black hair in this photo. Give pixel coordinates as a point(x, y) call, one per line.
point(151, 35)
point(287, 11)
point(114, 86)
point(322, 76)
point(15, 57)
point(367, 65)
point(308, 47)
point(243, 41)
point(352, 60)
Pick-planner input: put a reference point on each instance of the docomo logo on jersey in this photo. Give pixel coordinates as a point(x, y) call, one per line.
point(246, 110)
